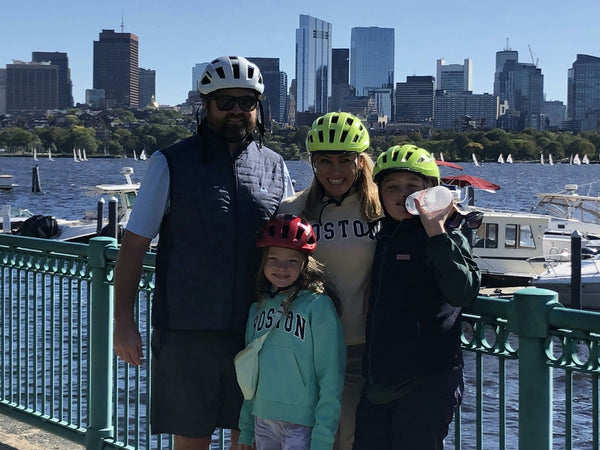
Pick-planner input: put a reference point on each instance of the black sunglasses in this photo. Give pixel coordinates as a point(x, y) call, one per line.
point(227, 102)
point(472, 220)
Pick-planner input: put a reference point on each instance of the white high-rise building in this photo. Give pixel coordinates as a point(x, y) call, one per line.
point(313, 65)
point(454, 77)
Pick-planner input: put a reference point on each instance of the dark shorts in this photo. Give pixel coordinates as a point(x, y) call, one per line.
point(194, 388)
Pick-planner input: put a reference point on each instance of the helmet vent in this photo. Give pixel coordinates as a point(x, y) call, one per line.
point(332, 136)
point(321, 136)
point(334, 119)
point(250, 72)
point(355, 138)
point(320, 121)
point(343, 136)
point(205, 80)
point(220, 72)
point(285, 230)
point(349, 121)
point(236, 71)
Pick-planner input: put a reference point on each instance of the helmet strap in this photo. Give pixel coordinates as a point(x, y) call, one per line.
point(260, 124)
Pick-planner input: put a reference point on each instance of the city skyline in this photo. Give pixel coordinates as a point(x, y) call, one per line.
point(173, 40)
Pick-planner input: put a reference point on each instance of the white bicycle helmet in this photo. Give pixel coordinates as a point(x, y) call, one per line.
point(228, 72)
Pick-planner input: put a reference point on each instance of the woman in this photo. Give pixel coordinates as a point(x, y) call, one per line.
point(340, 204)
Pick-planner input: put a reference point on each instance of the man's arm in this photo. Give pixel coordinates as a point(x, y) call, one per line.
point(127, 341)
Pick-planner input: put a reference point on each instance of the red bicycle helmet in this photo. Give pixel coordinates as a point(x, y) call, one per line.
point(288, 231)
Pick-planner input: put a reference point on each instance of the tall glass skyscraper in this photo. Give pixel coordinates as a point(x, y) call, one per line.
point(371, 58)
point(313, 65)
point(583, 101)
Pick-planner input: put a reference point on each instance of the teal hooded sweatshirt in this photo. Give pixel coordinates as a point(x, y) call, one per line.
point(301, 367)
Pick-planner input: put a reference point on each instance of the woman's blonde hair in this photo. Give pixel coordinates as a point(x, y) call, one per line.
point(311, 278)
point(364, 186)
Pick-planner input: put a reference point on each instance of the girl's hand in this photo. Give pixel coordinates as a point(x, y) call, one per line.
point(433, 221)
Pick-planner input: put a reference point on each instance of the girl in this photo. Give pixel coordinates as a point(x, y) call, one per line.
point(301, 364)
point(423, 274)
point(340, 204)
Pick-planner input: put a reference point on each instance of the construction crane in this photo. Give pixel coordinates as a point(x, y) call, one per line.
point(533, 60)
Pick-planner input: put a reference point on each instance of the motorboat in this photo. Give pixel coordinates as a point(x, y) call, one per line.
point(84, 229)
point(6, 181)
point(569, 211)
point(512, 247)
point(557, 277)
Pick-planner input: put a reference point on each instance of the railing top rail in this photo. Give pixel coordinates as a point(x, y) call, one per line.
point(31, 244)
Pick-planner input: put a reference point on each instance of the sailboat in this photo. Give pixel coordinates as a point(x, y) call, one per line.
point(541, 158)
point(50, 155)
point(75, 158)
point(84, 155)
point(585, 160)
point(475, 160)
point(501, 159)
point(576, 160)
point(79, 155)
point(34, 154)
point(143, 155)
point(509, 159)
point(550, 159)
point(441, 156)
point(134, 156)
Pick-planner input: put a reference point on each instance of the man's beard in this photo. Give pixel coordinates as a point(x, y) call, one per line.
point(234, 132)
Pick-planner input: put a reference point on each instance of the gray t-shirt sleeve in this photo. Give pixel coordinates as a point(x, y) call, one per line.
point(152, 199)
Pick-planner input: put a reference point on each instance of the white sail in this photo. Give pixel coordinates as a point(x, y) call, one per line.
point(34, 154)
point(550, 161)
point(50, 155)
point(84, 155)
point(576, 160)
point(75, 156)
point(441, 156)
point(541, 158)
point(143, 155)
point(501, 159)
point(475, 160)
point(134, 156)
point(509, 159)
point(585, 160)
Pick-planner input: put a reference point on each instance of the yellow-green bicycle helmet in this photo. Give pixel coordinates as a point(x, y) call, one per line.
point(337, 132)
point(409, 158)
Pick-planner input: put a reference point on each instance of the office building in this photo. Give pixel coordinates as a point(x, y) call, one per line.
point(583, 94)
point(2, 91)
point(452, 107)
point(453, 77)
point(522, 86)
point(94, 97)
point(65, 86)
point(340, 77)
point(414, 100)
point(31, 86)
point(554, 113)
point(313, 65)
point(275, 93)
point(116, 68)
point(147, 87)
point(371, 59)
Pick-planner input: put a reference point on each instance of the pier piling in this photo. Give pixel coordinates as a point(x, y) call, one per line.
point(35, 180)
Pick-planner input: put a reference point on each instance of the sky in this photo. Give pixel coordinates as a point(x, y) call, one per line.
point(175, 35)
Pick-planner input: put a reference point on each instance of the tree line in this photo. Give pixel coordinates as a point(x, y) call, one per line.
point(121, 132)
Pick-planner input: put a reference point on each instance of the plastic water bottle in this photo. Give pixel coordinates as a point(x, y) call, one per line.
point(431, 199)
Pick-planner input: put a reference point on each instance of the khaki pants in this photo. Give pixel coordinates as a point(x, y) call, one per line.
point(353, 386)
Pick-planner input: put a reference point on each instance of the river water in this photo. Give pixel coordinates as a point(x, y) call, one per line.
point(62, 182)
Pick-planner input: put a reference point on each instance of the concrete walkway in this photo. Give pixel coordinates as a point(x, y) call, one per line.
point(18, 433)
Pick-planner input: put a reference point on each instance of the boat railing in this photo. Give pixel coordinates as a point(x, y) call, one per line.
point(57, 364)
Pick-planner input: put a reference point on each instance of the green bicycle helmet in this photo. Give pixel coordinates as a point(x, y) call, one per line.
point(337, 132)
point(408, 158)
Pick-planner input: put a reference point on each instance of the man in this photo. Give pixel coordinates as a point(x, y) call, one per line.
point(206, 196)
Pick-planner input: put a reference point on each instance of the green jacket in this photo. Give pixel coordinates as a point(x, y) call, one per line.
point(302, 366)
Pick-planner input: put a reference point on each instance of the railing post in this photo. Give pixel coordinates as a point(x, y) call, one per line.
point(100, 351)
point(535, 375)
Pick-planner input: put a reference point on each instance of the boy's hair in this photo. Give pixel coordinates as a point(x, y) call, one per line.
point(311, 278)
point(364, 185)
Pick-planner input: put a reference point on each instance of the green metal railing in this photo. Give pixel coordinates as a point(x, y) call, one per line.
point(532, 366)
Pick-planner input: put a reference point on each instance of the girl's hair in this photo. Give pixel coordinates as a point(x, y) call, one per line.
point(364, 185)
point(311, 279)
